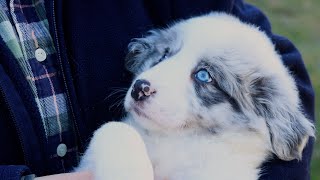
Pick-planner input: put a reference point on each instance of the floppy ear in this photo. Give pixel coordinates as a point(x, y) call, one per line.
point(289, 129)
point(146, 52)
point(138, 50)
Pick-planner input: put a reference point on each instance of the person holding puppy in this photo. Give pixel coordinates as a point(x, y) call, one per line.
point(59, 60)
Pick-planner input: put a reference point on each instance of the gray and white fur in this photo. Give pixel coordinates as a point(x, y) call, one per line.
point(211, 99)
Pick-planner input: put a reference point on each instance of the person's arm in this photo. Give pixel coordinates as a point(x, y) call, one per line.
point(85, 175)
point(21, 172)
point(278, 169)
point(13, 172)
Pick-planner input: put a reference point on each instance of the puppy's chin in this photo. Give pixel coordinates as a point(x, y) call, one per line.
point(151, 119)
point(145, 121)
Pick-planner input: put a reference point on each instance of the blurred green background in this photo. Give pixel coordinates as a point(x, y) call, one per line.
point(299, 20)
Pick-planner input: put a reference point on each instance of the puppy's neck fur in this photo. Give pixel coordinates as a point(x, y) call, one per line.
point(240, 152)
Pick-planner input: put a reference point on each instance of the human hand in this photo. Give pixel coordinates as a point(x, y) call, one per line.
point(84, 175)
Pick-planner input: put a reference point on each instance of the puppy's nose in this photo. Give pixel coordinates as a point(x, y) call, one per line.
point(141, 90)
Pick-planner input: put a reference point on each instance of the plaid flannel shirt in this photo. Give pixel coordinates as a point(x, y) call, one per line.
point(24, 29)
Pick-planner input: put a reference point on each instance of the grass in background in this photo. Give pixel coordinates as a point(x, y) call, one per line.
point(299, 20)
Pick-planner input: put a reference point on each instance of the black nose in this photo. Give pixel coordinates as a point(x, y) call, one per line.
point(141, 90)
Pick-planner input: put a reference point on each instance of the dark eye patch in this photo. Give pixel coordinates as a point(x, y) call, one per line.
point(213, 93)
point(208, 94)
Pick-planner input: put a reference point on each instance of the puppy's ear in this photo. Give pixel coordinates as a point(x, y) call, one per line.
point(138, 50)
point(143, 53)
point(289, 129)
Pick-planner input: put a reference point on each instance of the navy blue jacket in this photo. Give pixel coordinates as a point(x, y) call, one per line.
point(91, 39)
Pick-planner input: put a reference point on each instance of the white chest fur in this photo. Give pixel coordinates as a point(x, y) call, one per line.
point(118, 152)
point(203, 157)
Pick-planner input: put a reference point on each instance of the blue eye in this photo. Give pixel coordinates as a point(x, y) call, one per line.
point(203, 76)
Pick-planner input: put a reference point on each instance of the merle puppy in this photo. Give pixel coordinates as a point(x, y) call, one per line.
point(211, 99)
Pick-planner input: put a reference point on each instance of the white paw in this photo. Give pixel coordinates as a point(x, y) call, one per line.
point(117, 152)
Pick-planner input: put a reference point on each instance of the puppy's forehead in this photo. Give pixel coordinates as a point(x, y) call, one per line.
point(214, 29)
point(217, 34)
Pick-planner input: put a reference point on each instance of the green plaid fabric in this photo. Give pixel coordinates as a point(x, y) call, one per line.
point(24, 28)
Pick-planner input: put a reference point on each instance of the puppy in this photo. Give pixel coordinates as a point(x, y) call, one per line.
point(211, 99)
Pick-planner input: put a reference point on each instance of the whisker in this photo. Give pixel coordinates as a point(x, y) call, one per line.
point(117, 104)
point(116, 91)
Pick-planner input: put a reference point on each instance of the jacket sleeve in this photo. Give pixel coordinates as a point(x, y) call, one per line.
point(13, 172)
point(278, 169)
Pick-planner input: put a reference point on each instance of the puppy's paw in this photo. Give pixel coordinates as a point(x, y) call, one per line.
point(117, 152)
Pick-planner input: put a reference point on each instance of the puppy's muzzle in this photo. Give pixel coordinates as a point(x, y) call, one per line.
point(141, 90)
